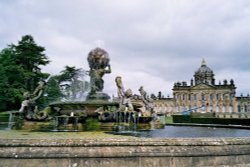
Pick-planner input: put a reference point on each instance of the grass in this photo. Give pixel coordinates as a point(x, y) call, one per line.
point(20, 134)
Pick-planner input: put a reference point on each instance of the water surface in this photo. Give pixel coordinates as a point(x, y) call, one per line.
point(189, 132)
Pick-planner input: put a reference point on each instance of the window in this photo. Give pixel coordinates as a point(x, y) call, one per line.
point(239, 108)
point(202, 97)
point(183, 108)
point(195, 98)
point(211, 96)
point(245, 108)
point(217, 96)
point(211, 108)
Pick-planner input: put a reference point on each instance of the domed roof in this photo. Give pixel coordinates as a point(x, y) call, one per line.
point(204, 68)
point(204, 74)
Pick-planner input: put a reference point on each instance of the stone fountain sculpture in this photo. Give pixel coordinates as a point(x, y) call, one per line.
point(148, 103)
point(124, 97)
point(96, 101)
point(98, 60)
point(97, 104)
point(29, 106)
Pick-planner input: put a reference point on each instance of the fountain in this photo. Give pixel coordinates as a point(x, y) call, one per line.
point(109, 114)
point(6, 120)
point(98, 60)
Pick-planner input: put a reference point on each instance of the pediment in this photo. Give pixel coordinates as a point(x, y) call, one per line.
point(202, 86)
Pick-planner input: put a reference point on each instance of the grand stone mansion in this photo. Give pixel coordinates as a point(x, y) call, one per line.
point(202, 94)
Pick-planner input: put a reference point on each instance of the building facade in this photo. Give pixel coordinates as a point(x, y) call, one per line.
point(202, 94)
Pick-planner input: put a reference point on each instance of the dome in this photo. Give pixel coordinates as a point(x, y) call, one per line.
point(204, 74)
point(204, 68)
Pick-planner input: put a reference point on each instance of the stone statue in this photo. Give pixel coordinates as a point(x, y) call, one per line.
point(127, 100)
point(29, 107)
point(96, 79)
point(120, 89)
point(98, 60)
point(124, 96)
point(148, 102)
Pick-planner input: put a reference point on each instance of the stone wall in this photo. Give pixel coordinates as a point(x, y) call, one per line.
point(141, 152)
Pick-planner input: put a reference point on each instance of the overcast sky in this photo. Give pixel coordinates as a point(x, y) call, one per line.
point(150, 43)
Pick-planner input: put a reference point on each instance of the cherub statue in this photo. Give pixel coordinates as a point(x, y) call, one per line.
point(124, 96)
point(146, 100)
point(29, 107)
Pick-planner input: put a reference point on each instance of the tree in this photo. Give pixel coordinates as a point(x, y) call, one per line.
point(30, 57)
point(69, 85)
point(20, 71)
point(72, 82)
point(11, 78)
point(52, 92)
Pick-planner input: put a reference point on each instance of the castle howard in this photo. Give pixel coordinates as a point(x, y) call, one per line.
point(202, 94)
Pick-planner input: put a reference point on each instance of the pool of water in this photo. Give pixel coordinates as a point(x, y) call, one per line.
point(188, 132)
point(167, 132)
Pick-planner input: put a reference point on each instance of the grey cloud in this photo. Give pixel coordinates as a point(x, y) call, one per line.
point(165, 39)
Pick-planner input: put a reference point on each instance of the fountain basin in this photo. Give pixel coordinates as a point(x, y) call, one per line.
point(110, 152)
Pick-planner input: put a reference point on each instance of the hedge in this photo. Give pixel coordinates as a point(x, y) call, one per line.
point(209, 120)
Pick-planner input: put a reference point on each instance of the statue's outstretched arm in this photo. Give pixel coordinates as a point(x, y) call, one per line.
point(39, 94)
